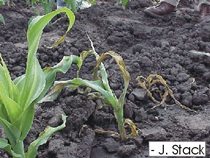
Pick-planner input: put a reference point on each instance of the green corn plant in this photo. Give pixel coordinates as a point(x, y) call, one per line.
point(46, 4)
point(101, 85)
point(19, 96)
point(71, 4)
point(122, 2)
point(75, 5)
point(1, 17)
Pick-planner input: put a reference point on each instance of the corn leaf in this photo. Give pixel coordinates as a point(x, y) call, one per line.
point(11, 131)
point(1, 2)
point(7, 147)
point(10, 89)
point(13, 110)
point(25, 121)
point(121, 65)
point(50, 74)
point(2, 19)
point(43, 137)
point(96, 85)
point(34, 82)
point(102, 70)
point(124, 3)
point(27, 83)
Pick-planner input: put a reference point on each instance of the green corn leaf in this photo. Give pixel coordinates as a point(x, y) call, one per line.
point(25, 121)
point(11, 131)
point(12, 109)
point(102, 70)
point(1, 2)
point(2, 19)
point(124, 3)
point(10, 89)
point(19, 82)
point(18, 97)
point(43, 137)
point(96, 85)
point(50, 74)
point(121, 64)
point(7, 147)
point(34, 82)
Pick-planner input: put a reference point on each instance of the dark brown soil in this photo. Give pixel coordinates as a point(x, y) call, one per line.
point(176, 47)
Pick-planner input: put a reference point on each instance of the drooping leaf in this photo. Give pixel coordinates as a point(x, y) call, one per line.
point(121, 64)
point(43, 137)
point(50, 74)
point(34, 81)
point(96, 85)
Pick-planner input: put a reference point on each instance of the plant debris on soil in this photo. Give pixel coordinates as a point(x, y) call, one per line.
point(177, 47)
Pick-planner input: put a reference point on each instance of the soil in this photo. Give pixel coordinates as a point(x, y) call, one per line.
point(177, 47)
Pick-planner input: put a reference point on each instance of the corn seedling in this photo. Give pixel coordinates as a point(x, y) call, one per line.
point(75, 5)
point(122, 2)
point(46, 4)
point(149, 84)
point(18, 97)
point(101, 86)
point(1, 17)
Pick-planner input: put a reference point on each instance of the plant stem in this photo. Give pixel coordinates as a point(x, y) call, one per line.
point(119, 116)
point(19, 149)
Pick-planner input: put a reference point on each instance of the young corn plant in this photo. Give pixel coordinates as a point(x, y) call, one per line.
point(46, 4)
point(101, 85)
point(75, 5)
point(19, 96)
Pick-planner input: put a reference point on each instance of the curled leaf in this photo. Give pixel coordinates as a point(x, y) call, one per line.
point(149, 84)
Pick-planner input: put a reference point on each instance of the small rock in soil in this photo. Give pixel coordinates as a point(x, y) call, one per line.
point(129, 109)
point(127, 150)
point(181, 77)
point(137, 48)
point(139, 94)
point(186, 99)
point(138, 141)
point(206, 75)
point(200, 98)
point(54, 145)
point(154, 134)
point(111, 145)
point(184, 87)
point(100, 117)
point(145, 61)
point(140, 115)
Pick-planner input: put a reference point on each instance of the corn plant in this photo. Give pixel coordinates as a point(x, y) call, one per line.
point(101, 85)
point(75, 5)
point(122, 2)
point(18, 97)
point(150, 83)
point(1, 17)
point(46, 4)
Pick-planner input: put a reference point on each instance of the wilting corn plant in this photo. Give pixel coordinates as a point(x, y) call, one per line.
point(101, 85)
point(149, 84)
point(1, 17)
point(18, 97)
